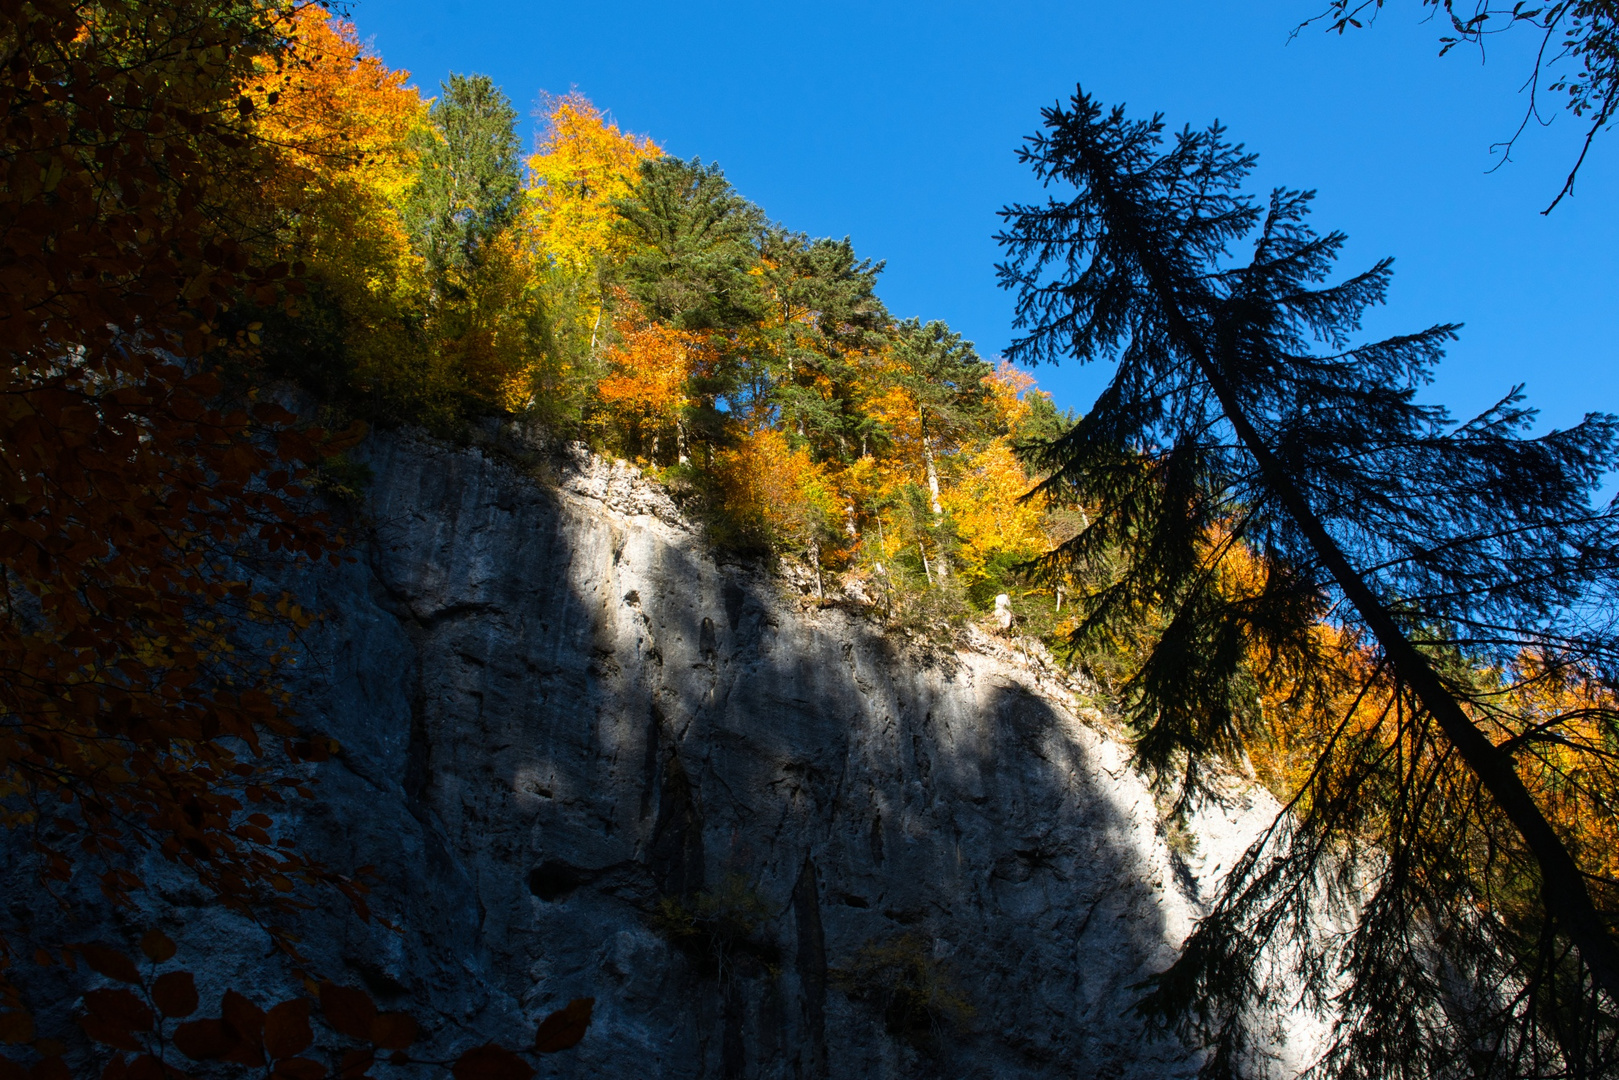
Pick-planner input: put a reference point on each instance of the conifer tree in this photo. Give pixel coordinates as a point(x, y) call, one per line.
point(695, 241)
point(825, 314)
point(469, 177)
point(1438, 562)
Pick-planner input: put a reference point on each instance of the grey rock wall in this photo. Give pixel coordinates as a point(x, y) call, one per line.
point(771, 841)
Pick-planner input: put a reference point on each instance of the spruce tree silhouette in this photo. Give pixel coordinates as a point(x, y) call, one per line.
point(1241, 416)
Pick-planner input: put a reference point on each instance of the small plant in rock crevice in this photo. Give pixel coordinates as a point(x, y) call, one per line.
point(721, 929)
point(915, 990)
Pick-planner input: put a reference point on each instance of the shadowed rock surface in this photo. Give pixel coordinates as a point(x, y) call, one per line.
point(586, 759)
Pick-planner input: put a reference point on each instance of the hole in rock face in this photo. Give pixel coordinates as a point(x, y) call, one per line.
point(554, 879)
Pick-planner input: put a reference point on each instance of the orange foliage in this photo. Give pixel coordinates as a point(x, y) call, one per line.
point(781, 494)
point(651, 367)
point(339, 120)
point(335, 112)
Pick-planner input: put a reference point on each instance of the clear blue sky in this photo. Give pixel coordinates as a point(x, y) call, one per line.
point(895, 123)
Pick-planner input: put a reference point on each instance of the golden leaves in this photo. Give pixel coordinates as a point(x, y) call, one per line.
point(584, 165)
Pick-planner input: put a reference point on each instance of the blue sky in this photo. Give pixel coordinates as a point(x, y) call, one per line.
point(896, 124)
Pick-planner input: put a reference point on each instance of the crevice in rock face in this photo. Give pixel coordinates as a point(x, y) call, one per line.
point(811, 967)
point(419, 750)
point(677, 836)
point(649, 772)
point(734, 598)
point(733, 1050)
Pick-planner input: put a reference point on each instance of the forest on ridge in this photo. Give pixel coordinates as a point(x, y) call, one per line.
point(615, 294)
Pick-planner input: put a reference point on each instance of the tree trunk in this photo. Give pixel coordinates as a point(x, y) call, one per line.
point(1563, 888)
point(933, 471)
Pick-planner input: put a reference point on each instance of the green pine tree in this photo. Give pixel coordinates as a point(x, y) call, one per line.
point(828, 313)
point(695, 242)
point(1240, 407)
point(469, 179)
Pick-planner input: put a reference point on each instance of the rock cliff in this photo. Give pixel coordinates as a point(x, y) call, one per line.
point(770, 840)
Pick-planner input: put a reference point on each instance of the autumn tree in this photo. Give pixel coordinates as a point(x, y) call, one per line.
point(584, 166)
point(647, 391)
point(936, 394)
point(141, 477)
point(342, 125)
point(1001, 531)
point(693, 249)
point(1480, 933)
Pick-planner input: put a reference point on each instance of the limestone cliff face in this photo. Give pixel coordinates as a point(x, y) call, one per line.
point(771, 841)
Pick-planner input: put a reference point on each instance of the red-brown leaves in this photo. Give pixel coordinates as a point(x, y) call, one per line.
point(299, 1068)
point(133, 476)
point(491, 1062)
point(286, 1029)
point(112, 1017)
point(202, 1040)
point(393, 1030)
point(157, 946)
point(109, 962)
point(349, 1011)
point(563, 1029)
point(244, 1029)
point(175, 993)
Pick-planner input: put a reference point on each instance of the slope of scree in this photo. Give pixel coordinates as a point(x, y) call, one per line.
point(588, 759)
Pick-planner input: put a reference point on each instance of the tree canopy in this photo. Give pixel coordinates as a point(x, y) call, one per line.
point(1305, 536)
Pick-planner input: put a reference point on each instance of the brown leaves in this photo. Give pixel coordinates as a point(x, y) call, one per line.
point(202, 1040)
point(393, 1031)
point(286, 1029)
point(563, 1029)
point(109, 962)
point(175, 993)
point(244, 1029)
point(112, 1016)
point(351, 1012)
point(157, 946)
point(131, 472)
point(491, 1062)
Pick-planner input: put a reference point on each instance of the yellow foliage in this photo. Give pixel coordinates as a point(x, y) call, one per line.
point(1568, 763)
point(1007, 387)
point(776, 492)
point(342, 120)
point(984, 505)
point(584, 164)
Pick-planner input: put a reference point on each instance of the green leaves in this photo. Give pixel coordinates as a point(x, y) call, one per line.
point(695, 242)
point(468, 180)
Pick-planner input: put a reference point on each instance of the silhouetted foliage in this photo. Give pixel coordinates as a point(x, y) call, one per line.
point(1380, 543)
point(1582, 33)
